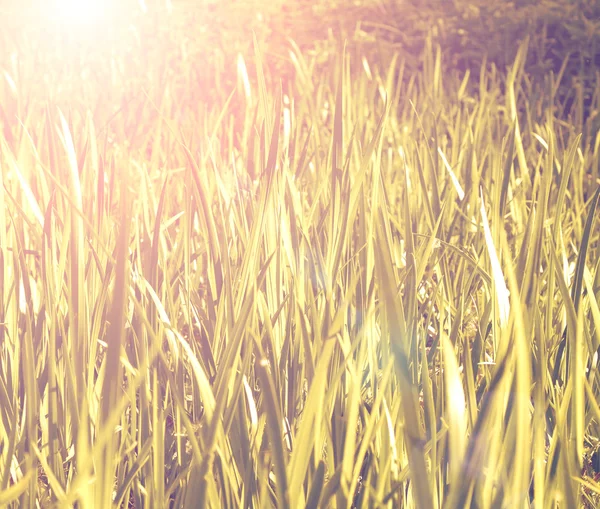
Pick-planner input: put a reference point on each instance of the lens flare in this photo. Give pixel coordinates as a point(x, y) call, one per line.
point(78, 12)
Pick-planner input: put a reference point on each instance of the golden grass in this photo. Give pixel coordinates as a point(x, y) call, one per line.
point(353, 289)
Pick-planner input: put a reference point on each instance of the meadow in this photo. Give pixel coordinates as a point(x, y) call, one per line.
point(239, 270)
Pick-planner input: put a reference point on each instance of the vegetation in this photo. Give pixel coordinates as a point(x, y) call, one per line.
point(339, 275)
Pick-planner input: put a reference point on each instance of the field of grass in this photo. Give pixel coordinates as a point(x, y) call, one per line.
point(359, 285)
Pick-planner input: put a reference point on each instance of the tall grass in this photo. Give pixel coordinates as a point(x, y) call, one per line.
point(357, 288)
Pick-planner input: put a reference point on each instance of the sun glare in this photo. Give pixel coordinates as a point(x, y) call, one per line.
point(79, 12)
point(84, 17)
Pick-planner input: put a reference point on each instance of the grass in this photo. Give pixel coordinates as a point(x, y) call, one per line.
point(355, 288)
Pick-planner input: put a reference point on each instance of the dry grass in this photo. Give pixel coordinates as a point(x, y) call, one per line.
point(362, 289)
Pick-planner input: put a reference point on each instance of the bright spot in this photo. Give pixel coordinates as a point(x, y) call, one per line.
point(76, 13)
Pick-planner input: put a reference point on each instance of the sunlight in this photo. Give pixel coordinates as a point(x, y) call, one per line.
point(79, 12)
